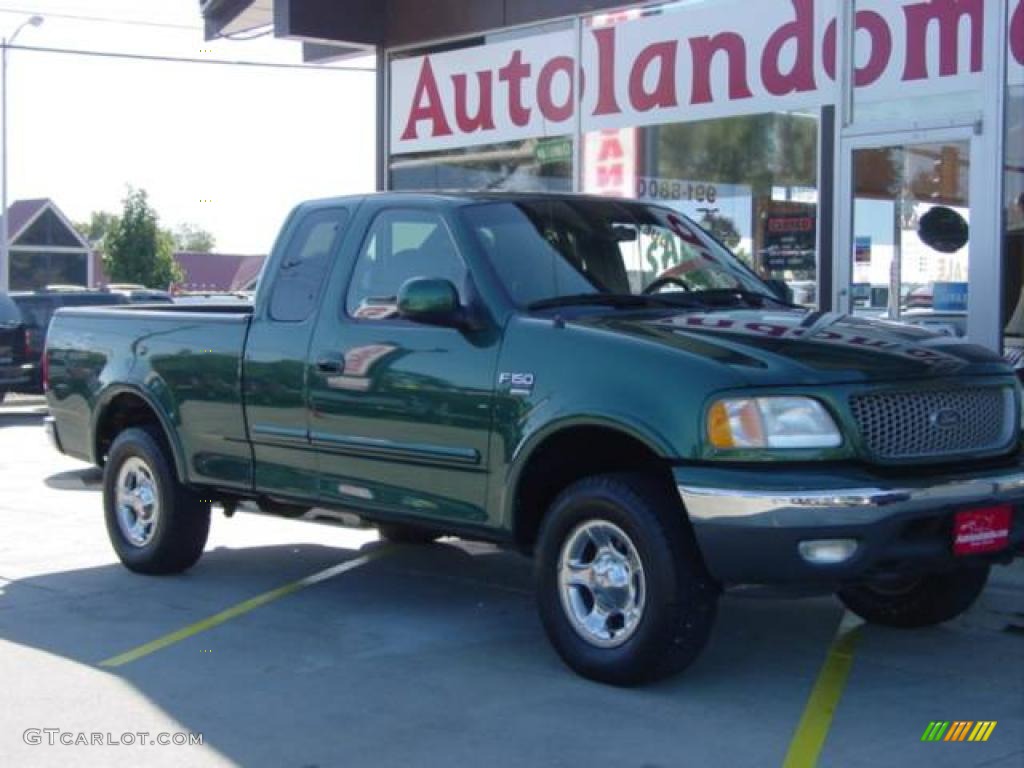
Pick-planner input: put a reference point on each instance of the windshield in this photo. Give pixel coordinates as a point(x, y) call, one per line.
point(545, 250)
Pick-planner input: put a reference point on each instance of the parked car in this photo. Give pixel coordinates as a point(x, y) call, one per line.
point(36, 308)
point(15, 371)
point(213, 297)
point(140, 294)
point(501, 368)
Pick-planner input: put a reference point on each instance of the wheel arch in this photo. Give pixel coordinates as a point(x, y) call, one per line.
point(565, 451)
point(125, 406)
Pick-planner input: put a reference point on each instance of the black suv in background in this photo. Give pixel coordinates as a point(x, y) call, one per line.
point(15, 370)
point(37, 307)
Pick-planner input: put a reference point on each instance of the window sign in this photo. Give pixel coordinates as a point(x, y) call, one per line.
point(949, 297)
point(695, 63)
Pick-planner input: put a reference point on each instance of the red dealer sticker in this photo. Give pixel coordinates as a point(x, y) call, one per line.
point(982, 530)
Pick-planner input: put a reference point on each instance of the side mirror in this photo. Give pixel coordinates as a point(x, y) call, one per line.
point(429, 300)
point(780, 289)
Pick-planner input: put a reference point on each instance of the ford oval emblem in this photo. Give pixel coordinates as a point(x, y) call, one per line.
point(946, 418)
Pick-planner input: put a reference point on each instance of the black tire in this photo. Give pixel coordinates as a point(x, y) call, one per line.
point(929, 600)
point(680, 597)
point(3, 394)
point(400, 533)
point(183, 522)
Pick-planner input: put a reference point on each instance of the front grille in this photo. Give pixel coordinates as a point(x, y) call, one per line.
point(920, 425)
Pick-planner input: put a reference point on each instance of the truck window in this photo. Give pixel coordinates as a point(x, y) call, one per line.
point(401, 244)
point(304, 268)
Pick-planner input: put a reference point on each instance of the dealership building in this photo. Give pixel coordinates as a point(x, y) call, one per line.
point(868, 152)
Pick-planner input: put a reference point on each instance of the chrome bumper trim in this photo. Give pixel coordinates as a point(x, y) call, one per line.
point(843, 506)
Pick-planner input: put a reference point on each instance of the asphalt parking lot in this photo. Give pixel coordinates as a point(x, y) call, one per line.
point(433, 656)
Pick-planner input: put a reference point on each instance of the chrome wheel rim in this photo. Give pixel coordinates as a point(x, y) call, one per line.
point(137, 502)
point(601, 583)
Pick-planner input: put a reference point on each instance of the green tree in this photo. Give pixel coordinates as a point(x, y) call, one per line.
point(722, 227)
point(190, 237)
point(96, 228)
point(136, 250)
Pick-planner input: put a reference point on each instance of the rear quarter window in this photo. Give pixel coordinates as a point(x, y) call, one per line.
point(306, 264)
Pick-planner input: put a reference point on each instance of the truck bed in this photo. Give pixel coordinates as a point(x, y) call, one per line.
point(187, 359)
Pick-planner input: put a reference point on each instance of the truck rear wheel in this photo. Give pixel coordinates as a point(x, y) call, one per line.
point(155, 524)
point(622, 590)
point(921, 602)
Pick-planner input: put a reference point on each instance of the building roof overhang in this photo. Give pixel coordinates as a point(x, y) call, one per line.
point(360, 26)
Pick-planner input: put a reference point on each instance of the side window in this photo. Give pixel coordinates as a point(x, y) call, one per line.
point(400, 245)
point(303, 270)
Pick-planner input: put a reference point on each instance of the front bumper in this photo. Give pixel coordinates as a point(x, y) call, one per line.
point(749, 523)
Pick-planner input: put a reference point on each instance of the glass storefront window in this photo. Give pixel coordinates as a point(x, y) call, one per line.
point(911, 225)
point(543, 164)
point(35, 269)
point(751, 181)
point(1013, 238)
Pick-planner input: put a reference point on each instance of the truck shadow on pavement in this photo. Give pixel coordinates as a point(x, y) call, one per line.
point(425, 650)
point(22, 417)
point(439, 642)
point(88, 479)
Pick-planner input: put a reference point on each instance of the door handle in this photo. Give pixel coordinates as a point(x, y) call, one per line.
point(330, 364)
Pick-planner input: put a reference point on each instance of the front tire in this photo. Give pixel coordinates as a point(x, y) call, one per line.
point(622, 590)
point(156, 524)
point(923, 602)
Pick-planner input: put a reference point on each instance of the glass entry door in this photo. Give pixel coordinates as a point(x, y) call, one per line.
point(908, 237)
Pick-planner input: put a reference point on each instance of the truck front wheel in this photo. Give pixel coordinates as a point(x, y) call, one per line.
point(918, 602)
point(623, 593)
point(156, 525)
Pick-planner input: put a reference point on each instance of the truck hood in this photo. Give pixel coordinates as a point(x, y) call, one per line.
point(783, 347)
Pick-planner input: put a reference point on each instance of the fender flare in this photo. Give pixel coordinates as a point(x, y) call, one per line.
point(532, 440)
point(100, 411)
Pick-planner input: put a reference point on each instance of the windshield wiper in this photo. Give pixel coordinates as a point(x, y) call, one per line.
point(754, 298)
point(617, 300)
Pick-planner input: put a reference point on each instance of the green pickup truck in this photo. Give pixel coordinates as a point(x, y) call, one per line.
point(597, 383)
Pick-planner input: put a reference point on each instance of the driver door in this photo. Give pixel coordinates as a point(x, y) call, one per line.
point(400, 412)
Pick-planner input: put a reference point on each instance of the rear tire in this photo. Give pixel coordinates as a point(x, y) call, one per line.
point(156, 524)
point(622, 589)
point(399, 533)
point(930, 600)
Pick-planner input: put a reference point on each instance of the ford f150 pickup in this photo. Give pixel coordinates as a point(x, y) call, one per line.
point(597, 383)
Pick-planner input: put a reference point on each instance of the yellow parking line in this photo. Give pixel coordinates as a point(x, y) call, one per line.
point(237, 610)
point(828, 689)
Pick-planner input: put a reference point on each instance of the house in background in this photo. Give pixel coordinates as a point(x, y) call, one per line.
point(217, 271)
point(45, 247)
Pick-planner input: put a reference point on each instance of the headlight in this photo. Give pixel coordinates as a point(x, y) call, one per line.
point(771, 422)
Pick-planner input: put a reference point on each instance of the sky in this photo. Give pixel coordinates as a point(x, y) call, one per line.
point(228, 148)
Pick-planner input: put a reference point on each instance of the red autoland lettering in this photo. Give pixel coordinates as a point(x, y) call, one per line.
point(688, 64)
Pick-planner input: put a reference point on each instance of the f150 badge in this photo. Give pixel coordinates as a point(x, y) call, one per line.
point(519, 384)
